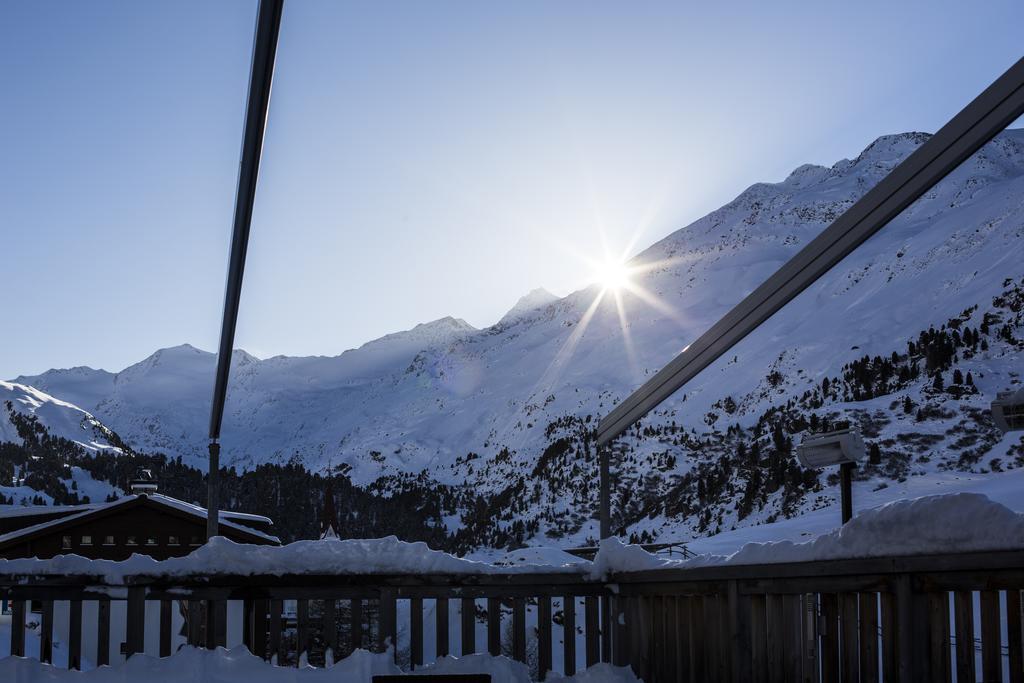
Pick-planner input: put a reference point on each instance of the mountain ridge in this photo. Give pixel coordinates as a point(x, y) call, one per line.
point(432, 399)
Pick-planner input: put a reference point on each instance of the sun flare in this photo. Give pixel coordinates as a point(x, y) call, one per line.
point(613, 276)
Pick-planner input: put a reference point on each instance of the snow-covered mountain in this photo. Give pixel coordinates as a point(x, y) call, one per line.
point(59, 417)
point(528, 303)
point(424, 399)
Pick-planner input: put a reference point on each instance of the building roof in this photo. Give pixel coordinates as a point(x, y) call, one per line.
point(11, 511)
point(179, 507)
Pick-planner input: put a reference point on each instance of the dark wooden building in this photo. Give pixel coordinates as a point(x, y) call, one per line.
point(144, 522)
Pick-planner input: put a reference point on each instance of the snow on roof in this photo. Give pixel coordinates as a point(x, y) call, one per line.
point(201, 511)
point(188, 508)
point(10, 536)
point(11, 511)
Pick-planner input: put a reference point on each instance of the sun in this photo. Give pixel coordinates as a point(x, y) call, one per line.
point(613, 276)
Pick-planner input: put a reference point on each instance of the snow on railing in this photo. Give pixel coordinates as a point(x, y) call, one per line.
point(885, 594)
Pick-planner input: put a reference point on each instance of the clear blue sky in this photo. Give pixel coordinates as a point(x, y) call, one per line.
point(422, 159)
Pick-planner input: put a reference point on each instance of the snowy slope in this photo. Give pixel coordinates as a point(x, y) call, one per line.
point(528, 303)
point(424, 397)
point(59, 417)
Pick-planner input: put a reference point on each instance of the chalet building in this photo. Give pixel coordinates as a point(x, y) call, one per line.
point(144, 522)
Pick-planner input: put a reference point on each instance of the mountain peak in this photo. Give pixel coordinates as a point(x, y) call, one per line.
point(895, 147)
point(531, 301)
point(425, 334)
point(180, 349)
point(446, 323)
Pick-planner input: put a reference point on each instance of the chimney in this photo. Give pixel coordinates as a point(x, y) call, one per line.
point(143, 483)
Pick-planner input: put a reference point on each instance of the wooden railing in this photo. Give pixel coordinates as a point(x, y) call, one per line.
point(920, 618)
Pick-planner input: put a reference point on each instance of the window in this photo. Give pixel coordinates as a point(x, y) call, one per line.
point(150, 541)
point(108, 540)
point(65, 543)
point(131, 541)
point(86, 540)
point(195, 541)
point(172, 540)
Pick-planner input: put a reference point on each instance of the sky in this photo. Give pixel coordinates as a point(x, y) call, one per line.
point(421, 159)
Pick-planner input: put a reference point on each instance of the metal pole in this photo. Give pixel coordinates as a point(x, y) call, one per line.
point(605, 513)
point(846, 489)
point(261, 76)
point(604, 503)
point(992, 111)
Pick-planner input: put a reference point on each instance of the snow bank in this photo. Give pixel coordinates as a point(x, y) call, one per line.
point(546, 556)
point(959, 522)
point(192, 665)
point(505, 670)
point(384, 556)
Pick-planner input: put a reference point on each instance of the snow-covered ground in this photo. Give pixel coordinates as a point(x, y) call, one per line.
point(191, 665)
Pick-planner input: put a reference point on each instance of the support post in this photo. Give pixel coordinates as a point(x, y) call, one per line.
point(213, 491)
point(605, 508)
point(846, 489)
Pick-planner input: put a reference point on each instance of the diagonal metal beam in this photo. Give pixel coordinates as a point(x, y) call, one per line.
point(992, 111)
point(261, 76)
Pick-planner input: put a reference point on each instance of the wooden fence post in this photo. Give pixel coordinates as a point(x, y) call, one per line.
point(591, 619)
point(569, 635)
point(494, 626)
point(543, 636)
point(103, 631)
point(135, 638)
point(388, 632)
point(165, 628)
point(938, 634)
point(274, 641)
point(908, 654)
point(1014, 634)
point(17, 628)
point(301, 630)
point(416, 632)
point(607, 619)
point(75, 635)
point(441, 627)
point(869, 637)
point(46, 633)
point(468, 626)
point(740, 636)
point(519, 629)
point(260, 608)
